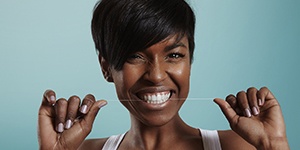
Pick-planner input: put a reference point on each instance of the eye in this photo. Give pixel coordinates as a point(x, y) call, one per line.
point(175, 56)
point(136, 58)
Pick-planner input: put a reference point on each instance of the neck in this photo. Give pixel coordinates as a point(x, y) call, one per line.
point(147, 136)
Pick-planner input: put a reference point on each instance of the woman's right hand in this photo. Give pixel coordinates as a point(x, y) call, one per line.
point(64, 124)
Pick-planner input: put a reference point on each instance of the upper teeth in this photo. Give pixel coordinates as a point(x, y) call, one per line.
point(157, 98)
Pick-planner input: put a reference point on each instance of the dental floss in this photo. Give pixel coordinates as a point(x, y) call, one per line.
point(188, 99)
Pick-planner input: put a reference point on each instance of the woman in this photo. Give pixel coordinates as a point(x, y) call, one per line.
point(146, 49)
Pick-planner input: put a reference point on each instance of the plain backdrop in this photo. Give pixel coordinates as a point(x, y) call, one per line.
point(239, 44)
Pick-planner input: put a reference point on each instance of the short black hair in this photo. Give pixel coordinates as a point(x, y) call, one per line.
point(123, 27)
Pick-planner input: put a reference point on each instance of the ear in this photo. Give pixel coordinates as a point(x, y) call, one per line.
point(106, 70)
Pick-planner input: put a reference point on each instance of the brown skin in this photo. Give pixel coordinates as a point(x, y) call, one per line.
point(162, 69)
point(265, 130)
point(50, 116)
point(157, 69)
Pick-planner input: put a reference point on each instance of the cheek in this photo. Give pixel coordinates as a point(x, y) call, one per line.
point(180, 71)
point(124, 80)
point(180, 74)
point(183, 71)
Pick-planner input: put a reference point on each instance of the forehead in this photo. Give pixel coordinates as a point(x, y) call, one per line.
point(173, 40)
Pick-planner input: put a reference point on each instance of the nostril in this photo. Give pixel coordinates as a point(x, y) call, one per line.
point(156, 74)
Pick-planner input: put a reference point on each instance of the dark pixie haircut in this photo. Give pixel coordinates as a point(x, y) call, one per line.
point(123, 27)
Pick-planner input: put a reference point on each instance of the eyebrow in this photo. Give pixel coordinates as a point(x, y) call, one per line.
point(174, 45)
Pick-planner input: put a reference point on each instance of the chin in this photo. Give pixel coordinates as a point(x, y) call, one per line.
point(156, 118)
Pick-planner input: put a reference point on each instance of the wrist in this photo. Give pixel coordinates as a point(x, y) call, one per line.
point(275, 144)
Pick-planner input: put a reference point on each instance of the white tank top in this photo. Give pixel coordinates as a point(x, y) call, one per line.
point(210, 140)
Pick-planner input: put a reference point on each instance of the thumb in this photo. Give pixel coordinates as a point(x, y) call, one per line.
point(49, 98)
point(45, 119)
point(46, 110)
point(83, 126)
point(227, 110)
point(86, 123)
point(89, 118)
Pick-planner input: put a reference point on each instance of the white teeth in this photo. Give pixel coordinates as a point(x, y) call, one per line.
point(154, 98)
point(149, 97)
point(157, 98)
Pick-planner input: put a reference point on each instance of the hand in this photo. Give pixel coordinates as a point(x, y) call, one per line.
point(63, 124)
point(256, 116)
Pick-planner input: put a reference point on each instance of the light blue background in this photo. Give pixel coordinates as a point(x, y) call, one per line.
point(47, 44)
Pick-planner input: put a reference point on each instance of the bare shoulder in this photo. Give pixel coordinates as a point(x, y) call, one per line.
point(230, 140)
point(93, 144)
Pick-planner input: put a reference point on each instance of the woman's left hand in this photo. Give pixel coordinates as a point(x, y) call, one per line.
point(257, 117)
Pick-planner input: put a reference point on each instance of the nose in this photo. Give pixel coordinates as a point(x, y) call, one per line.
point(156, 72)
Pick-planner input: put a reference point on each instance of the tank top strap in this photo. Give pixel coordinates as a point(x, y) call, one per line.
point(113, 142)
point(210, 139)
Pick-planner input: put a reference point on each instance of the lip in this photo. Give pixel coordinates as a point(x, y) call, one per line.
point(154, 89)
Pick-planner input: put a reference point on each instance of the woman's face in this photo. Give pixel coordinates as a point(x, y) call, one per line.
point(154, 83)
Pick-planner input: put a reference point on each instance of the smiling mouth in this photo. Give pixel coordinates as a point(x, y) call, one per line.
point(156, 98)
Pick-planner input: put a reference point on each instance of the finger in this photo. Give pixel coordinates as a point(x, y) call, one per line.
point(231, 100)
point(46, 117)
point(73, 105)
point(87, 102)
point(89, 118)
point(252, 99)
point(243, 103)
point(46, 111)
point(46, 108)
point(83, 127)
point(61, 112)
point(49, 98)
point(227, 110)
point(264, 94)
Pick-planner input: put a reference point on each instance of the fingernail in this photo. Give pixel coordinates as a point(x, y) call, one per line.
point(60, 127)
point(83, 109)
point(247, 113)
point(52, 98)
point(68, 124)
point(102, 104)
point(260, 102)
point(255, 111)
